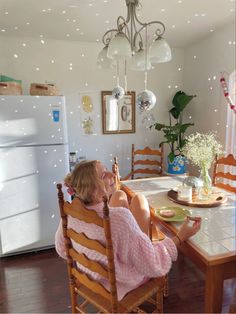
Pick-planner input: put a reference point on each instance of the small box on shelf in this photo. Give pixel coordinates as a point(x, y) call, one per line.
point(74, 160)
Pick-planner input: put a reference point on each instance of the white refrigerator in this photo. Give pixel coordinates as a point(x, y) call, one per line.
point(33, 158)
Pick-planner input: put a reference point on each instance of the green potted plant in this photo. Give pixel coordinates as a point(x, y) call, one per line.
point(174, 132)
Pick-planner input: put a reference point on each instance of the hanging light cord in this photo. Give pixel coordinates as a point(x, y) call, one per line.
point(126, 82)
point(145, 75)
point(117, 73)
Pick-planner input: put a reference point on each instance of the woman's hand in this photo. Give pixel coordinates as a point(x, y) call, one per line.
point(188, 229)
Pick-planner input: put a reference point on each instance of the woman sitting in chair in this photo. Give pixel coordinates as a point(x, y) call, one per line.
point(136, 258)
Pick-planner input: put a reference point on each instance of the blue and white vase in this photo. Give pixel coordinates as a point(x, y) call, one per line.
point(177, 166)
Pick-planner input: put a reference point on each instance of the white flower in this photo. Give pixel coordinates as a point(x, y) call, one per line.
point(201, 149)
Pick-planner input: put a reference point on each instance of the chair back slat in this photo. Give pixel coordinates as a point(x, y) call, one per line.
point(227, 175)
point(148, 151)
point(86, 262)
point(91, 284)
point(148, 162)
point(76, 210)
point(228, 160)
point(83, 240)
point(147, 171)
point(221, 178)
point(226, 187)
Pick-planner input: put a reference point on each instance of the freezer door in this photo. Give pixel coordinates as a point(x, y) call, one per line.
point(32, 120)
point(29, 212)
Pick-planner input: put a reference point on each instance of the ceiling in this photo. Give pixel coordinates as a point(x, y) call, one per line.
point(186, 21)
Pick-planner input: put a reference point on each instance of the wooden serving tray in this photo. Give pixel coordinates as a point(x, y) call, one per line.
point(212, 202)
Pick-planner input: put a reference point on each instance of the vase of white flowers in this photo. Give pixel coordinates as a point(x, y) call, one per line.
point(201, 150)
point(207, 183)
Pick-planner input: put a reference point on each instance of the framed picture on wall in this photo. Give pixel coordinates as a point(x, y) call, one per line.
point(90, 118)
point(118, 116)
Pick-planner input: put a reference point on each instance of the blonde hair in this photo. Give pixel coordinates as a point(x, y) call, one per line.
point(85, 181)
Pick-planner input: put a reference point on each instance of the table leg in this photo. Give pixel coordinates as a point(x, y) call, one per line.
point(213, 289)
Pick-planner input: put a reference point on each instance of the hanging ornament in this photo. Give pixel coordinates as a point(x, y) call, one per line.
point(146, 100)
point(118, 92)
point(226, 93)
point(148, 120)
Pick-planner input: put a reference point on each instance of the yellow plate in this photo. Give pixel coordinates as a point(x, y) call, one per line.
point(180, 213)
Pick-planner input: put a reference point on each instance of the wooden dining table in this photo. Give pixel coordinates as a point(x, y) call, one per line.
point(213, 248)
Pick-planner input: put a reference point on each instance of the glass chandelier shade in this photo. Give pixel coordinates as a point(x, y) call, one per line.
point(139, 63)
point(103, 62)
point(119, 47)
point(160, 51)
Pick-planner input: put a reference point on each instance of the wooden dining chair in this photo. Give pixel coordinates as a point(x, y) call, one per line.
point(222, 178)
point(141, 158)
point(89, 289)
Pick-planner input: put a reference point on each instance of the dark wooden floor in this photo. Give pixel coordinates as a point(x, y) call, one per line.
point(37, 283)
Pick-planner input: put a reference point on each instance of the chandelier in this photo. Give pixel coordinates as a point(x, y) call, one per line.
point(130, 41)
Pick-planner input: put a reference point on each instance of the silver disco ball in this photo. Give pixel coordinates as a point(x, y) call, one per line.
point(118, 92)
point(146, 100)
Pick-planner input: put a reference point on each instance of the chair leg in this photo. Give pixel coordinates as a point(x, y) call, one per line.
point(166, 287)
point(73, 295)
point(159, 301)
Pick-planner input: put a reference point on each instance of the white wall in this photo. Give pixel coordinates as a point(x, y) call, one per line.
point(213, 55)
point(86, 78)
